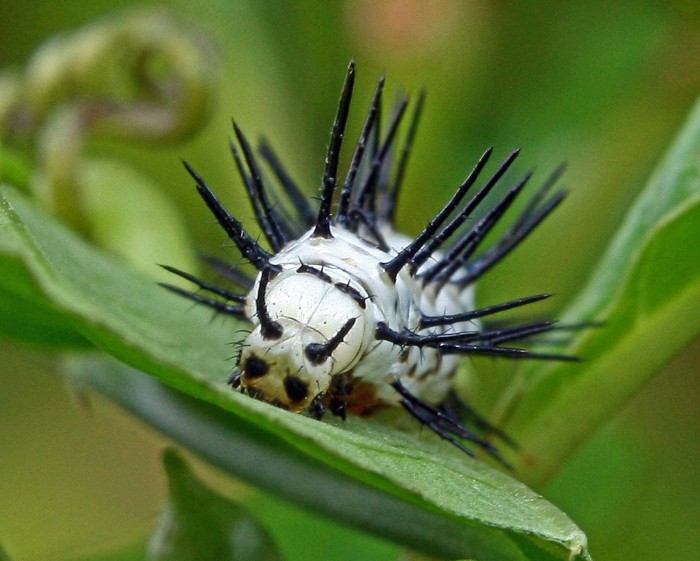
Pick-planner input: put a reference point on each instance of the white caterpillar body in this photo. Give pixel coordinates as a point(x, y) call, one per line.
point(347, 314)
point(313, 309)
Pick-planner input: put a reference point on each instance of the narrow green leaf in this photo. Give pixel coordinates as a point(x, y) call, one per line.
point(264, 459)
point(303, 534)
point(458, 507)
point(47, 270)
point(26, 313)
point(646, 290)
point(197, 524)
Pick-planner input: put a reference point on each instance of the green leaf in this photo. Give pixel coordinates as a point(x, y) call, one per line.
point(258, 456)
point(646, 290)
point(302, 534)
point(415, 490)
point(26, 313)
point(197, 524)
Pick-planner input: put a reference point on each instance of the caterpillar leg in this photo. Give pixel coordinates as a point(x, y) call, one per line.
point(334, 400)
point(445, 425)
point(347, 395)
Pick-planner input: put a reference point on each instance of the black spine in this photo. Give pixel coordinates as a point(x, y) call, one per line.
point(223, 307)
point(434, 321)
point(323, 221)
point(360, 216)
point(318, 353)
point(424, 254)
point(443, 425)
point(349, 184)
point(291, 189)
point(538, 197)
point(406, 255)
point(269, 328)
point(507, 352)
point(367, 195)
point(458, 255)
point(228, 271)
point(248, 247)
point(475, 342)
point(512, 239)
point(388, 210)
point(231, 296)
point(269, 221)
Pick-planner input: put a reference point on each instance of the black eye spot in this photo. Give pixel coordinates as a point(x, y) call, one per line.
point(255, 367)
point(296, 389)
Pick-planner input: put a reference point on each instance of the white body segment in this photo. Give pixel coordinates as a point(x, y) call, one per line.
point(313, 308)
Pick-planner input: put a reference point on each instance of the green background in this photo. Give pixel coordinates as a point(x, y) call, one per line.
point(601, 86)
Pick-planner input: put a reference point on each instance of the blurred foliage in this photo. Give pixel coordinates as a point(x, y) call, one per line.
point(603, 88)
point(197, 524)
point(139, 76)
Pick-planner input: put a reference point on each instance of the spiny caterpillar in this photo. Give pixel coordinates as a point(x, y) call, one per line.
point(349, 315)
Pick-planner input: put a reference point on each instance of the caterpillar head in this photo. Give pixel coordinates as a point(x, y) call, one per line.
point(305, 332)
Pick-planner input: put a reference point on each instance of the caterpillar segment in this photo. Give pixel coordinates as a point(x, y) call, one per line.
point(349, 315)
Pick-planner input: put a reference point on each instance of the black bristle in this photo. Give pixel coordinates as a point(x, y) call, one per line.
point(318, 353)
point(323, 221)
point(434, 321)
point(228, 309)
point(291, 226)
point(359, 216)
point(386, 169)
point(385, 333)
point(473, 342)
point(296, 196)
point(459, 410)
point(473, 203)
point(248, 247)
point(366, 196)
point(230, 296)
point(376, 138)
point(406, 255)
point(269, 328)
point(443, 425)
point(507, 352)
point(539, 196)
point(349, 184)
point(434, 340)
point(511, 240)
point(387, 209)
point(515, 333)
point(268, 220)
point(228, 271)
point(465, 247)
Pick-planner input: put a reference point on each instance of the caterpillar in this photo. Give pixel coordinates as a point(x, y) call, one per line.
point(348, 315)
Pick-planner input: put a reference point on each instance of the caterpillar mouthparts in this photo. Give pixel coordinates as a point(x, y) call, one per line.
point(350, 316)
